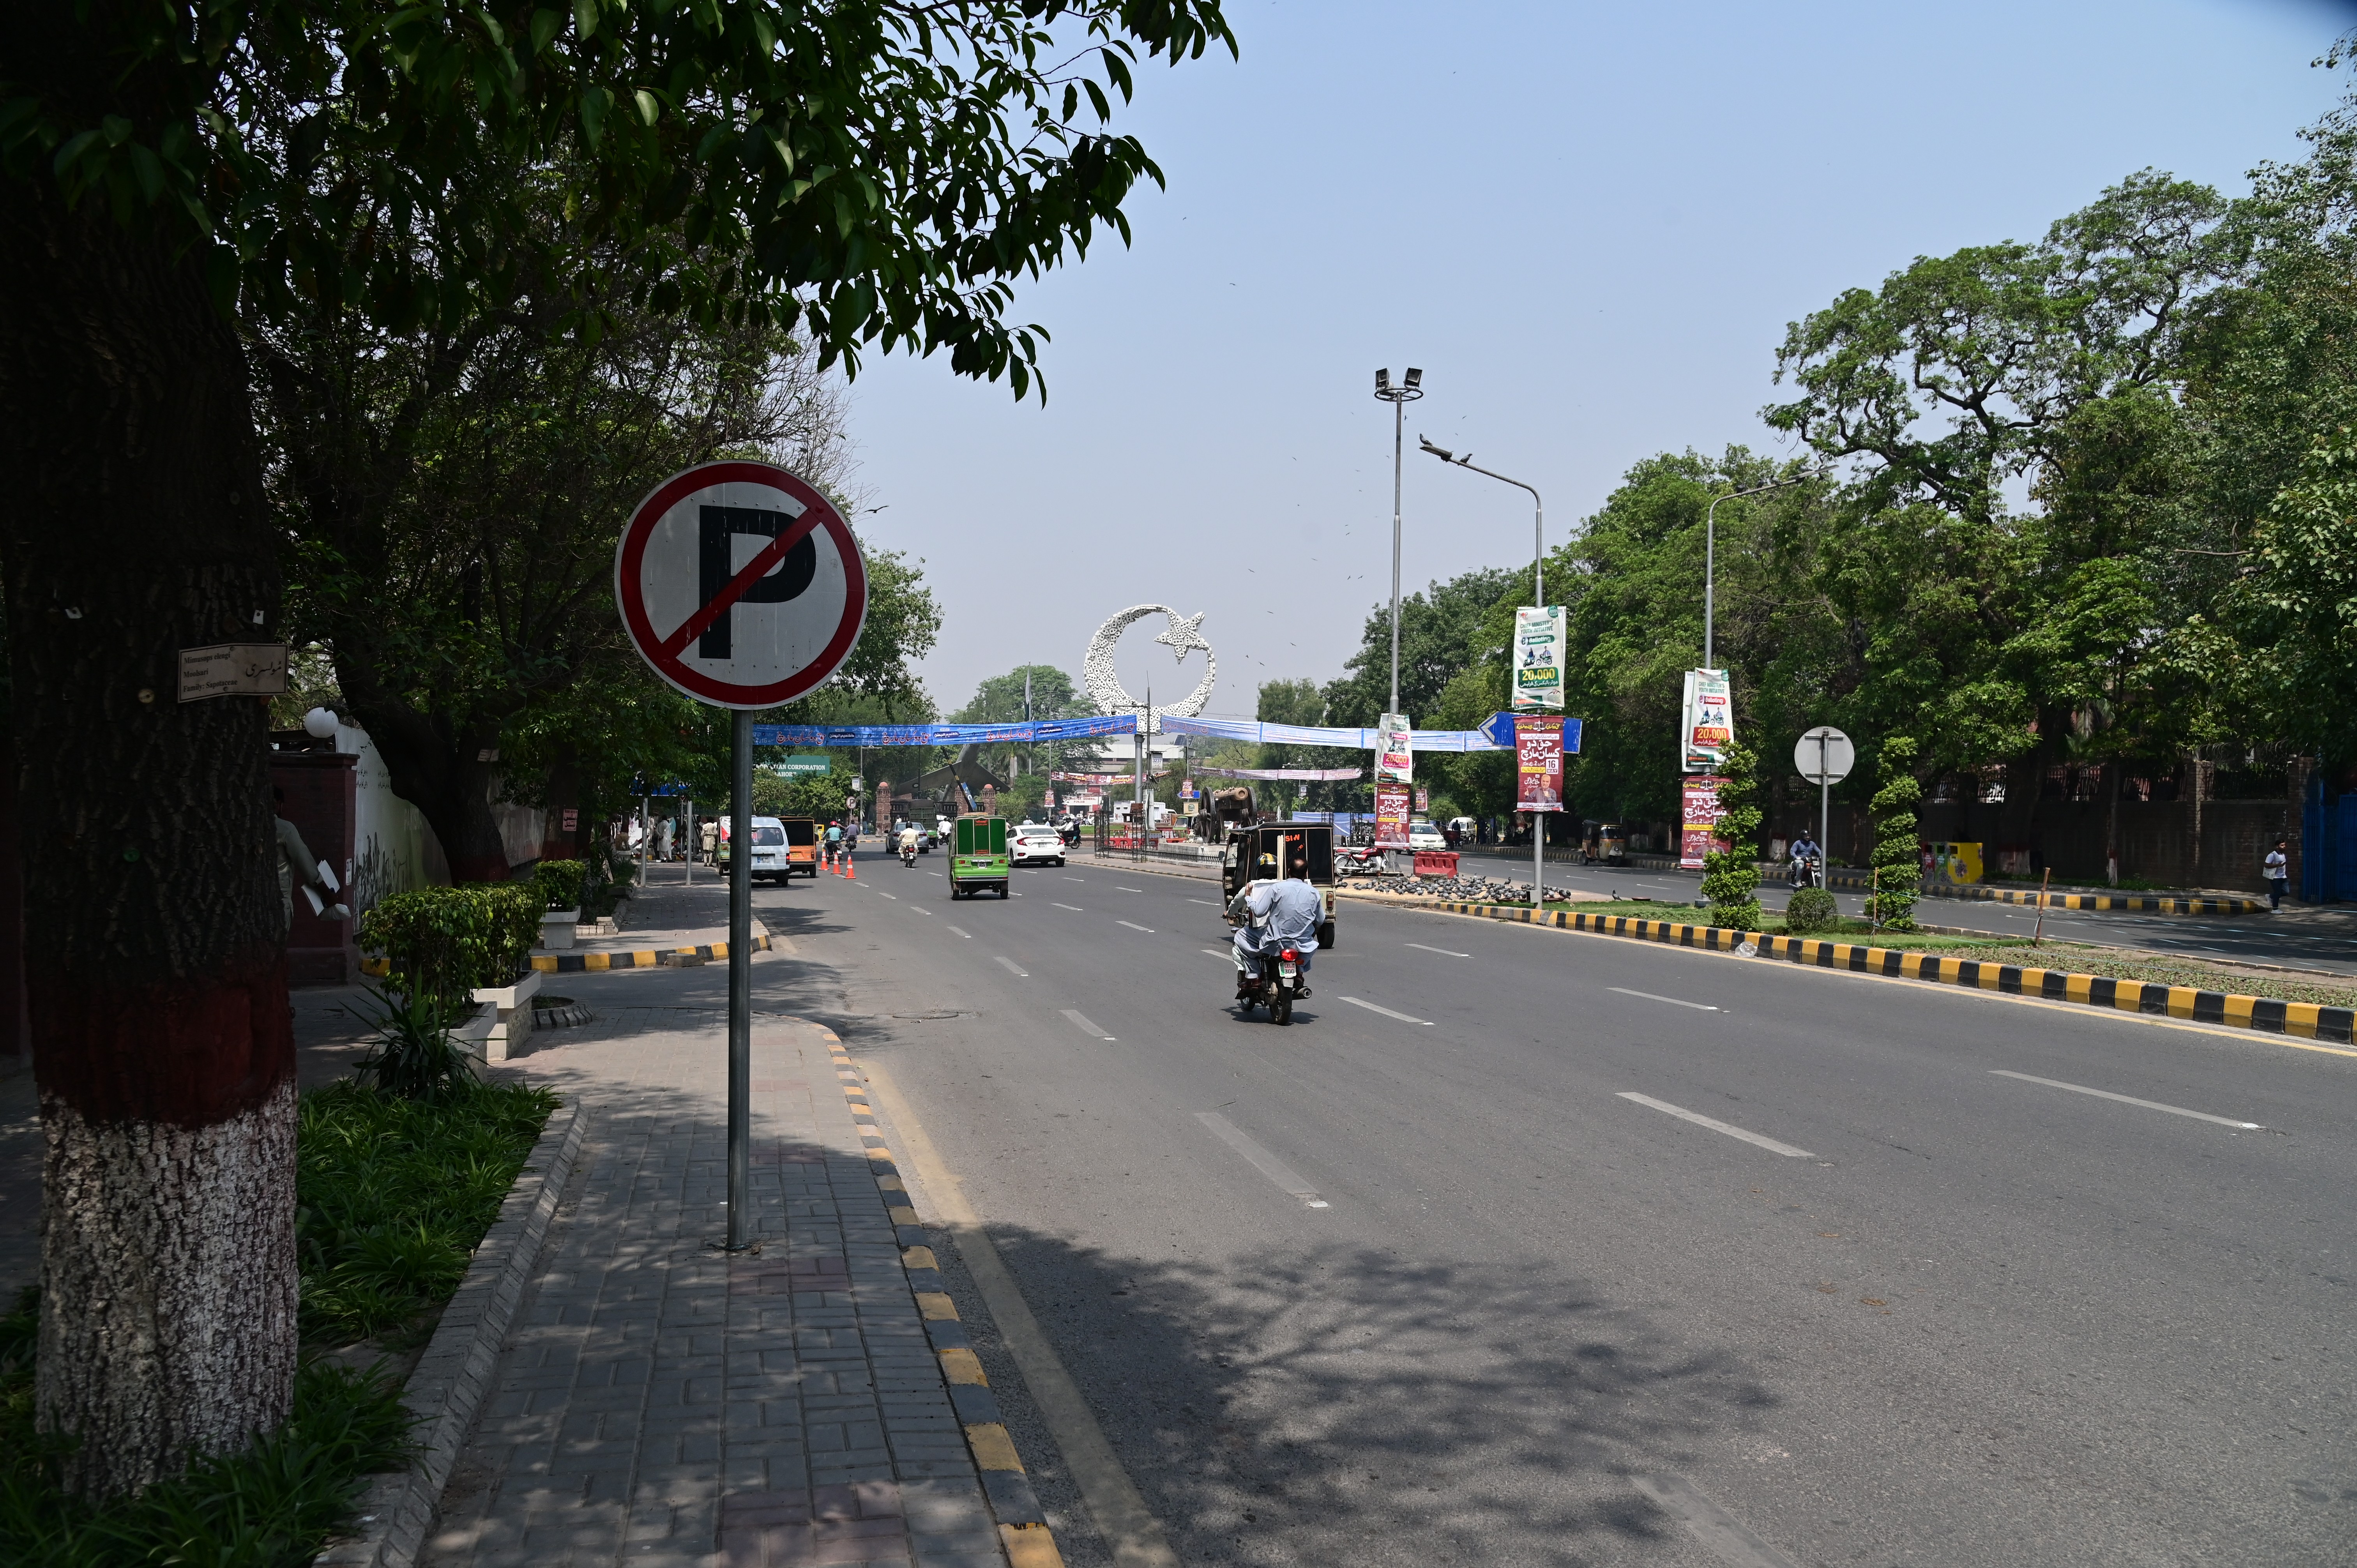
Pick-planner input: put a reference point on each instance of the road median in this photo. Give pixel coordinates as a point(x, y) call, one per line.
point(2300, 1020)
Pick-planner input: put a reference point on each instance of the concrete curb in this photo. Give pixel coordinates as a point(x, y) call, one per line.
point(598, 962)
point(2147, 903)
point(448, 1388)
point(1023, 1530)
point(2305, 1020)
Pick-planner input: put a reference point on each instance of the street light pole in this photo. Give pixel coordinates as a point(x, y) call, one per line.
point(1538, 601)
point(1411, 388)
point(1710, 556)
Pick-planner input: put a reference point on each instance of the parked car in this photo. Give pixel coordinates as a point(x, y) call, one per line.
point(1425, 836)
point(769, 849)
point(1035, 844)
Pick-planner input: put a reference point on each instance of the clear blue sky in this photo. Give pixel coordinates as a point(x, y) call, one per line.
point(1589, 225)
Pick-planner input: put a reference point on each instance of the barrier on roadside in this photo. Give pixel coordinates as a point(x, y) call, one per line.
point(2305, 1020)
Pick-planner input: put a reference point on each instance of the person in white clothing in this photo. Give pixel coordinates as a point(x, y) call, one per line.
point(2277, 866)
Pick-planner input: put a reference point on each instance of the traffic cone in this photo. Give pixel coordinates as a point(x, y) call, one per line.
point(851, 868)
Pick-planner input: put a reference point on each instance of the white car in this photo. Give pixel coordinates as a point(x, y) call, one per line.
point(769, 849)
point(1425, 836)
point(1035, 844)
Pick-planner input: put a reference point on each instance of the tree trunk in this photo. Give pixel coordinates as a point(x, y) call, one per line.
point(163, 1048)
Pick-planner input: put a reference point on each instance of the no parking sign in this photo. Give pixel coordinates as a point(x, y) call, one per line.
point(740, 585)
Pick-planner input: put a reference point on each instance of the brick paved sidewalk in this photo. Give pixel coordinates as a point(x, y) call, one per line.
point(661, 1403)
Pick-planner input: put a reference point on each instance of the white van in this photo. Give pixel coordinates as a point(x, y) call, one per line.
point(768, 848)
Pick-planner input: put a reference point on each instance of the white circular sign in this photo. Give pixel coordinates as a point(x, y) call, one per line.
point(740, 585)
point(1824, 755)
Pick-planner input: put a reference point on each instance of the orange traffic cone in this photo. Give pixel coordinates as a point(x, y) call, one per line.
point(850, 867)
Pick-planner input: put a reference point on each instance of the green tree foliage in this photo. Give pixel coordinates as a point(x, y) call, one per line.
point(879, 175)
point(1730, 876)
point(1447, 633)
point(2293, 612)
point(999, 701)
point(1898, 864)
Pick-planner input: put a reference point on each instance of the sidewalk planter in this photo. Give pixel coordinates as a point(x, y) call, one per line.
point(511, 1009)
point(476, 1031)
point(559, 929)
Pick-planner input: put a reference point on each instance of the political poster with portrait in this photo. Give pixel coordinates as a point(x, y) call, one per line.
point(1698, 819)
point(1541, 636)
point(1538, 765)
point(1391, 816)
point(1706, 724)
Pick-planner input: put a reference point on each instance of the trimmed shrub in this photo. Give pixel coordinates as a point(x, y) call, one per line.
point(557, 883)
point(443, 942)
point(1731, 877)
point(1812, 909)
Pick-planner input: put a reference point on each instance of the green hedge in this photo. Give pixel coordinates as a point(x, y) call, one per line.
point(445, 941)
point(557, 883)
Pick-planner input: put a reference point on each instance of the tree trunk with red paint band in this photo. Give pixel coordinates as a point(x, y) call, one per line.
point(156, 966)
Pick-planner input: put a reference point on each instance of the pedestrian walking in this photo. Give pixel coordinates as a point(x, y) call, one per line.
point(2277, 866)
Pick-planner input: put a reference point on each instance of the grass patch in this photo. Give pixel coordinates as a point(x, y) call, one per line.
point(270, 1507)
point(392, 1195)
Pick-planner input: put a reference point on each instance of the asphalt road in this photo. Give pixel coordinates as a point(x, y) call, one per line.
point(1941, 1316)
point(2301, 937)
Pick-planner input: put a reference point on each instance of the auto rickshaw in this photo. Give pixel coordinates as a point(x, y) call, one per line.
point(1256, 850)
point(801, 847)
point(978, 855)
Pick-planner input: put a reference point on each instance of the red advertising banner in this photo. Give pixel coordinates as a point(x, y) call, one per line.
point(1538, 765)
point(1391, 816)
point(1698, 819)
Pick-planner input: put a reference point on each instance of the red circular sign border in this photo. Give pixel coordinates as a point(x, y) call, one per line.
point(629, 559)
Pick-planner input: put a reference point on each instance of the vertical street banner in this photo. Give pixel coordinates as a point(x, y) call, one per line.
point(1707, 726)
point(1391, 816)
point(1538, 765)
point(1698, 819)
point(1541, 636)
point(1394, 777)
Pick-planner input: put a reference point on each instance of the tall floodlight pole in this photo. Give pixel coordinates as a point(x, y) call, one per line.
point(1411, 388)
point(1710, 556)
point(1538, 601)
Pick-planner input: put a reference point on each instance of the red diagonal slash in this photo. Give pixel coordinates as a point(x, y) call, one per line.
point(759, 567)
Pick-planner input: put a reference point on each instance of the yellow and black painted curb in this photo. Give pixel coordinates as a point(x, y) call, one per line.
point(598, 962)
point(1022, 1526)
point(591, 962)
point(2145, 903)
point(2305, 1020)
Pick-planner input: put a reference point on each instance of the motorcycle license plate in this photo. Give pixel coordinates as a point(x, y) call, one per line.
point(1286, 970)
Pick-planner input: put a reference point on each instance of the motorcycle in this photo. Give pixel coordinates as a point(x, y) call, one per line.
point(1803, 872)
point(1280, 984)
point(907, 854)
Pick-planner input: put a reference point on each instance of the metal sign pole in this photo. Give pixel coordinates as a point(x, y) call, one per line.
point(740, 982)
point(1824, 812)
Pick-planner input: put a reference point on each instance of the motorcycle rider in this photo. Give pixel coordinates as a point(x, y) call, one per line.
point(1806, 857)
point(1273, 915)
point(909, 838)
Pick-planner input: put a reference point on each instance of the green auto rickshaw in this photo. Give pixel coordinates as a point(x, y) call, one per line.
point(978, 855)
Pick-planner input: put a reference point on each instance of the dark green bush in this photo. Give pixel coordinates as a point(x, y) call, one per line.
point(393, 1195)
point(1812, 909)
point(443, 942)
point(272, 1506)
point(557, 883)
point(413, 1055)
